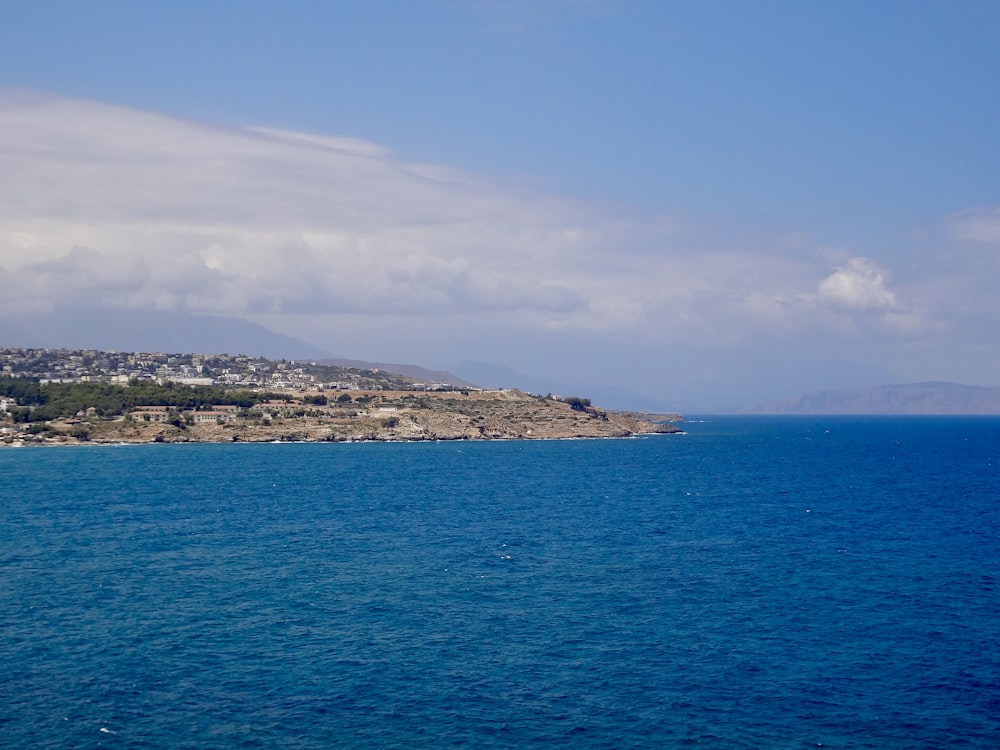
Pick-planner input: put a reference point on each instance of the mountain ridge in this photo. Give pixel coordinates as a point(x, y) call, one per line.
point(926, 398)
point(108, 329)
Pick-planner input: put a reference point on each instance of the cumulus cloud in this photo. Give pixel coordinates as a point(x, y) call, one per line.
point(853, 300)
point(861, 284)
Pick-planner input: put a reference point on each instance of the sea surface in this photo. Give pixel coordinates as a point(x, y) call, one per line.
point(757, 582)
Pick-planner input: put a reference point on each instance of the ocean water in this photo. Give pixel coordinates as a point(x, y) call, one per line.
point(754, 583)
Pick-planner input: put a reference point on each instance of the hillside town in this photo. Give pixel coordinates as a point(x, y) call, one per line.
point(94, 366)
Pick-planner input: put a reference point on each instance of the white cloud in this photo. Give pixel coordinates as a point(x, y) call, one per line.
point(236, 220)
point(128, 208)
point(859, 285)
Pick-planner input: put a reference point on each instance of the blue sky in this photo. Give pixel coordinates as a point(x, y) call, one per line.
point(777, 195)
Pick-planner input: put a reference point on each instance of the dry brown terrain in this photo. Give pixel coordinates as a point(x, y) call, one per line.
point(383, 416)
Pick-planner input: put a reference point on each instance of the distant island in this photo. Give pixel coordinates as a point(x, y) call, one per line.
point(916, 398)
point(58, 396)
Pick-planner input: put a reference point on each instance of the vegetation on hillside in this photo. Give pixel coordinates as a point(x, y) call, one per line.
point(39, 402)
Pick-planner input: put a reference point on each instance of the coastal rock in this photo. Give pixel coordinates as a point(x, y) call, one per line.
point(388, 416)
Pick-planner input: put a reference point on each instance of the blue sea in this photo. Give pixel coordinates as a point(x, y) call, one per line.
point(757, 582)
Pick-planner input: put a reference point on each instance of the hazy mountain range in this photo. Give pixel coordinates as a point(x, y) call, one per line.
point(410, 371)
point(149, 331)
point(914, 398)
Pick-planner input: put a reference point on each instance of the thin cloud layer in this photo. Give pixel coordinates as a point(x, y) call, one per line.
point(110, 206)
point(977, 225)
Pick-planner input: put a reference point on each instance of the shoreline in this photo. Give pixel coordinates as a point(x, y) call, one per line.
point(372, 441)
point(383, 416)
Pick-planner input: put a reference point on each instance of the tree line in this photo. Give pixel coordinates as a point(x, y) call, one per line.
point(39, 402)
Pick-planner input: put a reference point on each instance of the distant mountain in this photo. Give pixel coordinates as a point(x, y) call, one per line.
point(410, 371)
point(149, 330)
point(490, 375)
point(915, 398)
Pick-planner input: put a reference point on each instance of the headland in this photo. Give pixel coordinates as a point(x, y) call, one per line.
point(289, 405)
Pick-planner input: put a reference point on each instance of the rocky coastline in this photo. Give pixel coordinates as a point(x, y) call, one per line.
point(387, 417)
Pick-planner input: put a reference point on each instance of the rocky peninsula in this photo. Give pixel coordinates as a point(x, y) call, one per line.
point(359, 416)
point(68, 396)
